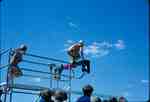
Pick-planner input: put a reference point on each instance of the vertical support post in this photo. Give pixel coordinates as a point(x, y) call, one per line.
point(51, 76)
point(11, 90)
point(0, 62)
point(0, 43)
point(70, 84)
point(7, 78)
point(5, 88)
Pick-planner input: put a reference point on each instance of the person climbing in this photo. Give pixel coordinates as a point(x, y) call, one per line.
point(57, 70)
point(76, 52)
point(16, 58)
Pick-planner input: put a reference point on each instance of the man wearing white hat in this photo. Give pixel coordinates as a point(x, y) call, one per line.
point(76, 51)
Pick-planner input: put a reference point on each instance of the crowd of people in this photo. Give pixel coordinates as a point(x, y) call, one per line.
point(61, 96)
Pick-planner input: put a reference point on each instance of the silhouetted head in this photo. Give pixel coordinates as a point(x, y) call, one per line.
point(60, 95)
point(113, 99)
point(122, 99)
point(105, 101)
point(46, 95)
point(87, 90)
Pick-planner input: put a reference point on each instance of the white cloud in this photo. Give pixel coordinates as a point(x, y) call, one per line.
point(120, 45)
point(145, 81)
point(130, 86)
point(126, 94)
point(71, 24)
point(70, 41)
point(98, 49)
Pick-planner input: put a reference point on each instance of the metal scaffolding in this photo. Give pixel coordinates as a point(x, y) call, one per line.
point(10, 86)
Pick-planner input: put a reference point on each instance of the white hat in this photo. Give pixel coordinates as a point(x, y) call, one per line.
point(24, 47)
point(81, 42)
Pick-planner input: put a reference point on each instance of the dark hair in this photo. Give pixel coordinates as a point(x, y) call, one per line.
point(105, 101)
point(113, 99)
point(99, 100)
point(87, 90)
point(123, 98)
point(46, 94)
point(60, 95)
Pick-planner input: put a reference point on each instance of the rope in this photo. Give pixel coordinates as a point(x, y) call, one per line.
point(1, 50)
point(25, 92)
point(42, 72)
point(1, 53)
point(35, 76)
point(4, 66)
point(47, 58)
point(33, 62)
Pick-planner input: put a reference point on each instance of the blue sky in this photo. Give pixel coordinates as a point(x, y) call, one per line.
point(115, 33)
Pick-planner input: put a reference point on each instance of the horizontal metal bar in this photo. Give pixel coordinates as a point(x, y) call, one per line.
point(73, 92)
point(47, 58)
point(35, 76)
point(33, 62)
point(5, 51)
point(32, 70)
point(4, 66)
point(21, 92)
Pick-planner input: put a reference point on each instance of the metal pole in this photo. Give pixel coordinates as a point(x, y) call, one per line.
point(11, 91)
point(149, 65)
point(11, 83)
point(51, 76)
point(0, 43)
point(70, 84)
point(7, 78)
